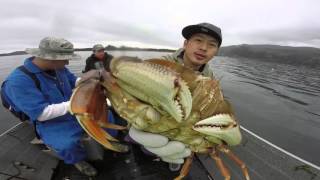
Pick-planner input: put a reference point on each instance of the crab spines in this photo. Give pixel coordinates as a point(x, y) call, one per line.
point(221, 126)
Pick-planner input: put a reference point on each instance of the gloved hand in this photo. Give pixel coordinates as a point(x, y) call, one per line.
point(94, 73)
point(168, 151)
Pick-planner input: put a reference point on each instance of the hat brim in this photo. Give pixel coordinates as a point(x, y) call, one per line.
point(52, 56)
point(188, 31)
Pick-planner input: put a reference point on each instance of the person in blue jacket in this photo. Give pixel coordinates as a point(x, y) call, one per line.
point(47, 107)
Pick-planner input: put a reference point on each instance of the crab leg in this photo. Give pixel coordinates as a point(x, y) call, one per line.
point(233, 157)
point(223, 169)
point(88, 104)
point(185, 168)
point(101, 136)
point(111, 126)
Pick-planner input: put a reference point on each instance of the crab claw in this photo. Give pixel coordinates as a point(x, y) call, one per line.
point(88, 104)
point(221, 126)
point(155, 84)
point(137, 113)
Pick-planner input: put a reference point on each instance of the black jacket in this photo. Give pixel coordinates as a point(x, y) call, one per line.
point(93, 63)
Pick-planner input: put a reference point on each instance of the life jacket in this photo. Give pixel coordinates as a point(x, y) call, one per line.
point(8, 104)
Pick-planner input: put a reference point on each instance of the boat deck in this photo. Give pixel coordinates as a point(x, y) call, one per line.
point(21, 160)
point(263, 161)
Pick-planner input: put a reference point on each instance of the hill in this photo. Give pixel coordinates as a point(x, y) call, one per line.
point(274, 53)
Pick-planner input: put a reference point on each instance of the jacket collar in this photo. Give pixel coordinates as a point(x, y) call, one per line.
point(30, 66)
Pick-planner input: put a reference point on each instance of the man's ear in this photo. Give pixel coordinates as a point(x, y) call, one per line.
point(218, 50)
point(185, 44)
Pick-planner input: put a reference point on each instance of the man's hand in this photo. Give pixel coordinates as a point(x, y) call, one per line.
point(106, 76)
point(168, 151)
point(92, 74)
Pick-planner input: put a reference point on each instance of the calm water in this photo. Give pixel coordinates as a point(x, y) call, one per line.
point(276, 101)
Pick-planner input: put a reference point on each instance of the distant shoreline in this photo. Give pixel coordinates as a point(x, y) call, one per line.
point(308, 56)
point(108, 48)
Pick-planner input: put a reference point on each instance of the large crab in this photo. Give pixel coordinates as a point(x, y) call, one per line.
point(161, 97)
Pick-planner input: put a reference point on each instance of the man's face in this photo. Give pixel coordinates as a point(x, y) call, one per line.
point(200, 49)
point(99, 54)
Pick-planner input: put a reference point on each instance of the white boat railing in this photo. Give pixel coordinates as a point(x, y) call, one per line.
point(280, 149)
point(10, 129)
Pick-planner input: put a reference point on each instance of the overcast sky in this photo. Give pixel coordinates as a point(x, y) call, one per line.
point(147, 23)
